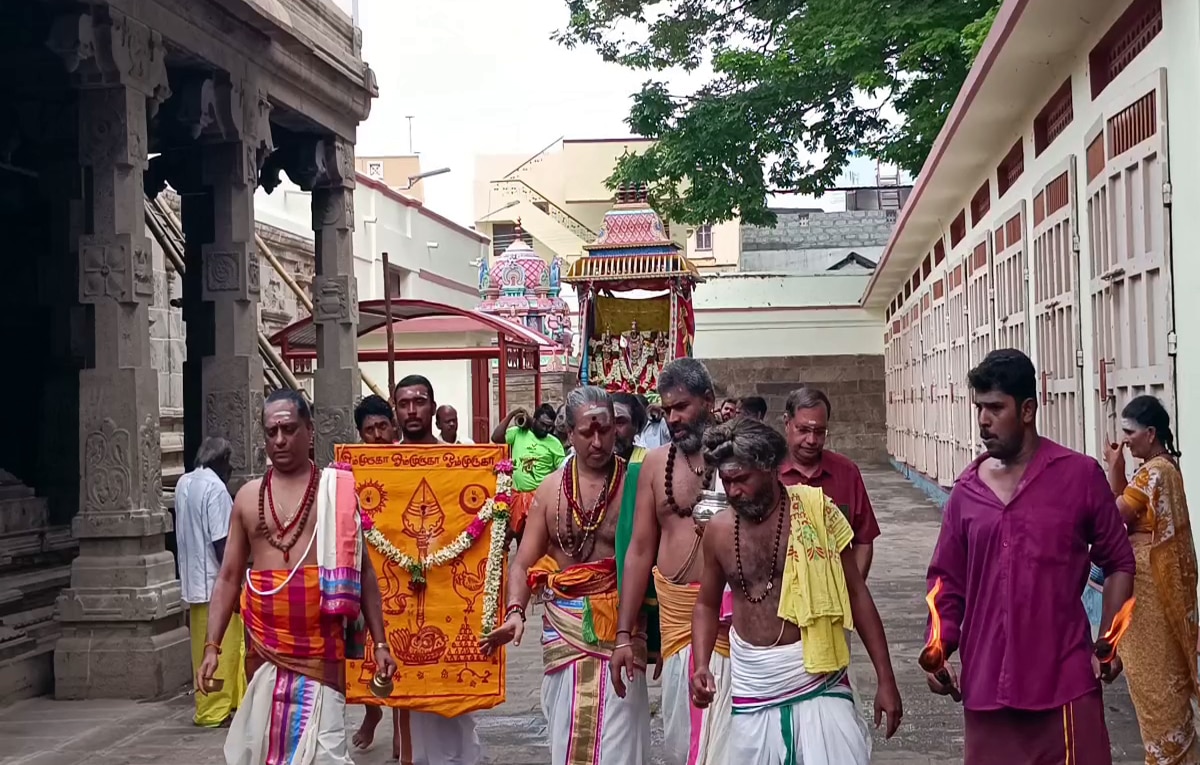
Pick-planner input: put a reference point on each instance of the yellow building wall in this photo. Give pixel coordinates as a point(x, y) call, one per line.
point(571, 176)
point(395, 173)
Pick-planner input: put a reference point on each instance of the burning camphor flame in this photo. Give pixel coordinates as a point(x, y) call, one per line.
point(1106, 646)
point(933, 657)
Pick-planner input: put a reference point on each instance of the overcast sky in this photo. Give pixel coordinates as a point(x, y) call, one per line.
point(484, 77)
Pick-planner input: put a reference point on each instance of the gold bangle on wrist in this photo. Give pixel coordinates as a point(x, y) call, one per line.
point(382, 645)
point(619, 646)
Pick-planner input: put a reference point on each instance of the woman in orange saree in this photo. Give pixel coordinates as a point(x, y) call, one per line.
point(1159, 649)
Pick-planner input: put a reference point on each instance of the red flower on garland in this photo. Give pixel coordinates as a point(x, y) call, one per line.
point(475, 530)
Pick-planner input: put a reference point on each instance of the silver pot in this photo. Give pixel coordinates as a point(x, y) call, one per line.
point(709, 504)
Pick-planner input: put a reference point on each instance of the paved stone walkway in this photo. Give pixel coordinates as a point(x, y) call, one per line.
point(45, 732)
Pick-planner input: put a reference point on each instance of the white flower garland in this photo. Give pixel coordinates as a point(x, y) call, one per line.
point(495, 511)
point(495, 570)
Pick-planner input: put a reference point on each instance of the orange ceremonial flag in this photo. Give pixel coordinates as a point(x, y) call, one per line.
point(421, 501)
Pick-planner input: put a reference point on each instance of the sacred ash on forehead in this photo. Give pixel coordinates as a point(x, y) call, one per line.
point(280, 417)
point(596, 412)
point(622, 410)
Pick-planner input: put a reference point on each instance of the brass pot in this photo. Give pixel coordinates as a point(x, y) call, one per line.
point(709, 504)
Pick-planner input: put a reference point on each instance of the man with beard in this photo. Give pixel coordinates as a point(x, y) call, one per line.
point(664, 538)
point(566, 556)
point(796, 592)
point(729, 409)
point(1011, 560)
point(430, 738)
point(297, 598)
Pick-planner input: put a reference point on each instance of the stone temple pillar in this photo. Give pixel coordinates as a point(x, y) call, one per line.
point(337, 384)
point(232, 377)
point(122, 618)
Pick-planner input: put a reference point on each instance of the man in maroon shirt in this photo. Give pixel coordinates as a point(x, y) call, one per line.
point(806, 423)
point(1012, 558)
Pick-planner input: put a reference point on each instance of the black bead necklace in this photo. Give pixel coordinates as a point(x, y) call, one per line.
point(737, 548)
point(669, 482)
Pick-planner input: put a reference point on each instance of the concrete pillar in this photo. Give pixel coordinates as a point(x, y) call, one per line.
point(122, 618)
point(337, 385)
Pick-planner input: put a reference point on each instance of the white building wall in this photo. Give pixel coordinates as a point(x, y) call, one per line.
point(451, 379)
point(1177, 49)
point(1181, 41)
point(445, 273)
point(746, 315)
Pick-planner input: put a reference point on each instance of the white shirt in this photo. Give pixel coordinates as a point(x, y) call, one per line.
point(462, 441)
point(655, 434)
point(203, 509)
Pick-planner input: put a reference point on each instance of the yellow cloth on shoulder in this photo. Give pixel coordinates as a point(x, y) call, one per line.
point(814, 595)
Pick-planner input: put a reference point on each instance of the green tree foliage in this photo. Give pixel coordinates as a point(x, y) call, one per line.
point(789, 80)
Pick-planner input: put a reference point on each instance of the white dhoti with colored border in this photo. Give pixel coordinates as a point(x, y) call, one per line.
point(695, 736)
point(287, 718)
point(588, 724)
point(691, 736)
point(782, 715)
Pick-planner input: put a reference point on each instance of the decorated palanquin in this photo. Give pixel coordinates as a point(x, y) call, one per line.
point(435, 520)
point(627, 341)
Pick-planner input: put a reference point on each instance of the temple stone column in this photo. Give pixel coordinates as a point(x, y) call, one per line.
point(337, 384)
point(232, 376)
point(122, 618)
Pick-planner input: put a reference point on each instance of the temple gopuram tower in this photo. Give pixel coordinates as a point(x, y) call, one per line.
point(522, 287)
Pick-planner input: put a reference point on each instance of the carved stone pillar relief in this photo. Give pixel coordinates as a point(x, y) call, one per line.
point(123, 628)
point(220, 134)
point(337, 384)
point(232, 376)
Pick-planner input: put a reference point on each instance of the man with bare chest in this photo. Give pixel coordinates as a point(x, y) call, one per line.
point(666, 543)
point(566, 557)
point(796, 591)
point(301, 528)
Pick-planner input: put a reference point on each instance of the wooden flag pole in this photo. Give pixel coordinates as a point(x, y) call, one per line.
point(391, 336)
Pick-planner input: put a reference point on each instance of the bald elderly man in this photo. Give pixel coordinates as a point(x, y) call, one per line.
point(446, 419)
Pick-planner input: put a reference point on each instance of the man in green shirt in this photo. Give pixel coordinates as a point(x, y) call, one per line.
point(536, 453)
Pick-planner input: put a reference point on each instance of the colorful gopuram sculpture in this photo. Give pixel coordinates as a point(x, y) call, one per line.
point(522, 287)
point(627, 341)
